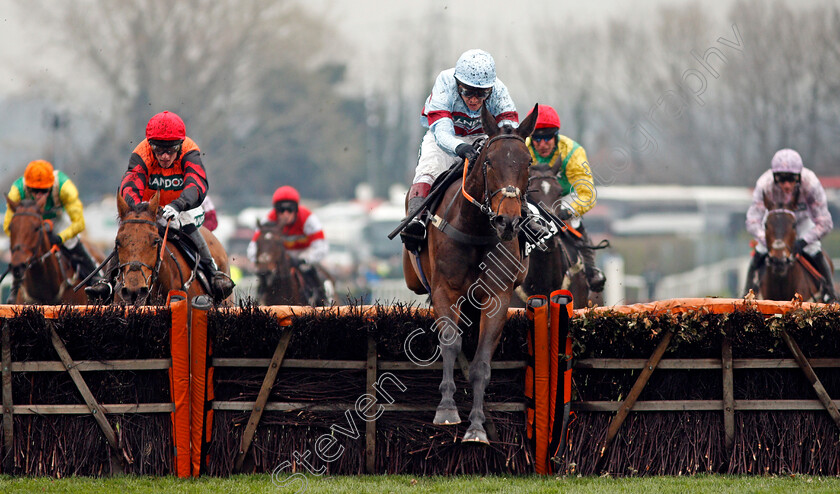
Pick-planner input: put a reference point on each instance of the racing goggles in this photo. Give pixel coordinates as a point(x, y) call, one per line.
point(285, 207)
point(780, 177)
point(474, 92)
point(160, 149)
point(543, 137)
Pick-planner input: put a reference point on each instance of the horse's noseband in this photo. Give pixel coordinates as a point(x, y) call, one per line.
point(508, 191)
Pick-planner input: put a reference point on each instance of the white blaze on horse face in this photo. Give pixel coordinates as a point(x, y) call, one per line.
point(778, 244)
point(546, 187)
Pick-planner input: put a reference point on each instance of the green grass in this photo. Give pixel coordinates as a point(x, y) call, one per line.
point(408, 484)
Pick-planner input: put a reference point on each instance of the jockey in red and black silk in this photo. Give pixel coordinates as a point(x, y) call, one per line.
point(169, 162)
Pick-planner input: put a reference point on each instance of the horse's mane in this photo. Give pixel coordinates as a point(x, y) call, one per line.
point(27, 203)
point(142, 207)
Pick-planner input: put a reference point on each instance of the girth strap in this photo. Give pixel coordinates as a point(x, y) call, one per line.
point(457, 235)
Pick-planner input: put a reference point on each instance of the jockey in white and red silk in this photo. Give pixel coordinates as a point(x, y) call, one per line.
point(168, 162)
point(305, 239)
point(787, 180)
point(452, 115)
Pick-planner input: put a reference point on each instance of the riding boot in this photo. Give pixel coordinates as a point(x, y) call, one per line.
point(756, 263)
point(102, 290)
point(312, 280)
point(220, 282)
point(83, 263)
point(594, 276)
point(16, 283)
point(414, 233)
point(819, 261)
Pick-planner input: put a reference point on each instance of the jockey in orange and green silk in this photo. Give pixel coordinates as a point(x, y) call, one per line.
point(41, 179)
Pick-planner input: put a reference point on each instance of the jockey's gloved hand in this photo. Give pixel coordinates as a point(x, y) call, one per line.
point(466, 151)
point(799, 246)
point(54, 238)
point(564, 214)
point(169, 212)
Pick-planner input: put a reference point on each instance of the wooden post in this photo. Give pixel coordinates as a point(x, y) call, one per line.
point(370, 425)
point(638, 386)
point(728, 395)
point(8, 403)
point(262, 398)
point(489, 425)
point(95, 409)
point(822, 394)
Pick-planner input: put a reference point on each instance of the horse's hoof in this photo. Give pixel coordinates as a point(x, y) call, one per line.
point(475, 436)
point(447, 416)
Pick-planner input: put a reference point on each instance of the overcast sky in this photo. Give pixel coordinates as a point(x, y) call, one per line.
point(371, 28)
point(375, 32)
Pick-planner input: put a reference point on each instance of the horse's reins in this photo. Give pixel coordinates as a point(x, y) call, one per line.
point(35, 259)
point(139, 264)
point(508, 191)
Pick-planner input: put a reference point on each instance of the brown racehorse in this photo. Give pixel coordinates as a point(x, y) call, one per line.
point(472, 261)
point(279, 282)
point(784, 275)
point(147, 267)
point(47, 276)
point(557, 264)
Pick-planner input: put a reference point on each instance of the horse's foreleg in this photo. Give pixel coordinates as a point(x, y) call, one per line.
point(449, 339)
point(489, 336)
point(450, 346)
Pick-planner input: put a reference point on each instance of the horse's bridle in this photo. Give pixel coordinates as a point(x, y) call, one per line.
point(35, 258)
point(791, 257)
point(271, 276)
point(138, 265)
point(508, 191)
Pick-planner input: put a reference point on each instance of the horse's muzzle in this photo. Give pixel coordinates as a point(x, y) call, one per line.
point(779, 264)
point(134, 297)
point(18, 270)
point(506, 226)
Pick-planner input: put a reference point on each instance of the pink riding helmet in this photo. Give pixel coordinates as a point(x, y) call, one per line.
point(786, 161)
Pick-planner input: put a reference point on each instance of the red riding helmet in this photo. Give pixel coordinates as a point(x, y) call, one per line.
point(166, 126)
point(285, 193)
point(547, 118)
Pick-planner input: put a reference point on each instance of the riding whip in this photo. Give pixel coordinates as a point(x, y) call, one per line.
point(88, 277)
point(428, 200)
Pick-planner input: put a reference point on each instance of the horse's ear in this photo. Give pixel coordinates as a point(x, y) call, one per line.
point(122, 206)
point(259, 224)
point(768, 203)
point(154, 202)
point(526, 127)
point(12, 205)
point(40, 203)
point(488, 121)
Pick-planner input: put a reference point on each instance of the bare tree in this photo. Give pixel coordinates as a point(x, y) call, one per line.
point(235, 70)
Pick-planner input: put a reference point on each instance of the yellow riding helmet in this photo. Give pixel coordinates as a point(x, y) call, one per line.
point(39, 175)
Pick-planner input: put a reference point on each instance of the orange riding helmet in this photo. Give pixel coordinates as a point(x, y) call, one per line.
point(38, 175)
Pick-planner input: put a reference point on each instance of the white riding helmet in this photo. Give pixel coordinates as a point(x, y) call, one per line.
point(476, 68)
point(786, 161)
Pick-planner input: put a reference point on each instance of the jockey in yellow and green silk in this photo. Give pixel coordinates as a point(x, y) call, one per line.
point(39, 180)
point(567, 159)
